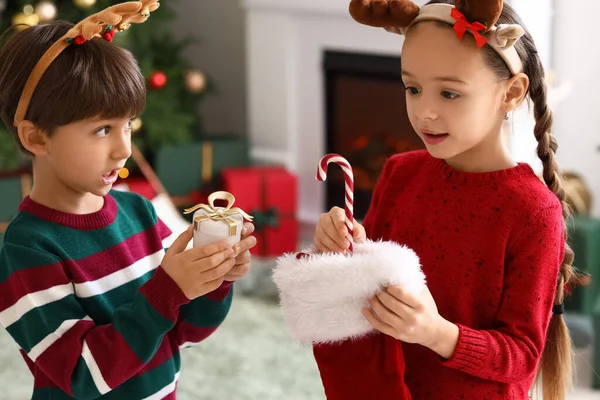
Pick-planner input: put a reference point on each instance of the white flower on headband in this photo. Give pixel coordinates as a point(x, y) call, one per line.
point(505, 36)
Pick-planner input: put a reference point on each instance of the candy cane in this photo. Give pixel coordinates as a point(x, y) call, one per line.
point(349, 186)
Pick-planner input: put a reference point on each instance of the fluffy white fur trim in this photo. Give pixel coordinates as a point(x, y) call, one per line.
point(322, 295)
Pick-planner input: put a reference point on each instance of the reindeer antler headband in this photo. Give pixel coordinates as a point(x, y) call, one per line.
point(102, 24)
point(478, 17)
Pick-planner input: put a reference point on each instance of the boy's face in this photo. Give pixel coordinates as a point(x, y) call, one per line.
point(87, 155)
point(454, 100)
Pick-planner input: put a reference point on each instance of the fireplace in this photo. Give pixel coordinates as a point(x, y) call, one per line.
point(366, 121)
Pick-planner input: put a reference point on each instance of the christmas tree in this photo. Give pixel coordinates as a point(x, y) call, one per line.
point(174, 87)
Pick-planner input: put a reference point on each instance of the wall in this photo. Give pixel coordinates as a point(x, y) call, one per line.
point(219, 26)
point(577, 122)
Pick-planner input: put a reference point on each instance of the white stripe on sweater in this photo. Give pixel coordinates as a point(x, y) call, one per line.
point(120, 277)
point(32, 300)
point(97, 377)
point(49, 340)
point(170, 388)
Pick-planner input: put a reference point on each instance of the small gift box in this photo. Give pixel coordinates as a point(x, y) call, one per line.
point(213, 224)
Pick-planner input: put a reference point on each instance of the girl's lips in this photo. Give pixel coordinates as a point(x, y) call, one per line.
point(434, 138)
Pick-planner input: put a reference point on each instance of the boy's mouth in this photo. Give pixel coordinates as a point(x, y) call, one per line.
point(110, 177)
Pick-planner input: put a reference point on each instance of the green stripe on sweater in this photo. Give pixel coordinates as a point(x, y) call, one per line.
point(141, 337)
point(82, 383)
point(38, 323)
point(148, 384)
point(205, 313)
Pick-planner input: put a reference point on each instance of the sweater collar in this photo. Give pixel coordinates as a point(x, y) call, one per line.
point(481, 178)
point(96, 220)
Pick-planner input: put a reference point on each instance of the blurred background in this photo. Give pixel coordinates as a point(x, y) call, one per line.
point(247, 95)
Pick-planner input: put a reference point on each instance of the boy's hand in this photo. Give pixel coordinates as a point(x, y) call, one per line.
point(331, 233)
point(242, 249)
point(198, 271)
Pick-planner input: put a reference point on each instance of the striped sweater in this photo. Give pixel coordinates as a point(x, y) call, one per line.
point(94, 314)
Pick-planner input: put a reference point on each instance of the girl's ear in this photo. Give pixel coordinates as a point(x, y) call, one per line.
point(516, 90)
point(32, 138)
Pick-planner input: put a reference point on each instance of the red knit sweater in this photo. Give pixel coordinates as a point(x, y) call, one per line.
point(490, 246)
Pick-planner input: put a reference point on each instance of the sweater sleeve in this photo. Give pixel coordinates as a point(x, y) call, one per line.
point(512, 350)
point(38, 308)
point(202, 316)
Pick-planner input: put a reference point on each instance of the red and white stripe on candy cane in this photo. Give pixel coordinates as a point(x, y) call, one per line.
point(348, 183)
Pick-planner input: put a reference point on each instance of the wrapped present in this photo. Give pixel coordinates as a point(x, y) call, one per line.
point(14, 189)
point(269, 194)
point(213, 223)
point(195, 166)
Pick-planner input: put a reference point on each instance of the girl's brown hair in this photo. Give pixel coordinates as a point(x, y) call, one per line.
point(555, 371)
point(95, 79)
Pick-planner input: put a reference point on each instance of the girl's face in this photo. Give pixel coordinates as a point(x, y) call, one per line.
point(455, 102)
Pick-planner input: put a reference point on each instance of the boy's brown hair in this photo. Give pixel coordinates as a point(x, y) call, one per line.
point(96, 79)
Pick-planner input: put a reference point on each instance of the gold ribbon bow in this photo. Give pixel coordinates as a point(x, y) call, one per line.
point(215, 214)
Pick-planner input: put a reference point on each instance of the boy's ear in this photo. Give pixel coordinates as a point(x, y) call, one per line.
point(516, 91)
point(32, 138)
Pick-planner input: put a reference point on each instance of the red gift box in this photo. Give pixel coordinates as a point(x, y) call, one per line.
point(269, 194)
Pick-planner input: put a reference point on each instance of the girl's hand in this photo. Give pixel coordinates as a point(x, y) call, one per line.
point(412, 319)
point(331, 232)
point(242, 251)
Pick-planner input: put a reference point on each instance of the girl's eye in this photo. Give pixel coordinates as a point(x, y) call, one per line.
point(412, 90)
point(129, 125)
point(449, 95)
point(104, 131)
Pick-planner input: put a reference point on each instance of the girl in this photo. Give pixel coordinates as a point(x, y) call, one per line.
point(86, 290)
point(490, 235)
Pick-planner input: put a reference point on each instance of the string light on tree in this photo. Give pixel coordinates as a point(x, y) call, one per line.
point(27, 17)
point(136, 125)
point(195, 81)
point(46, 10)
point(157, 80)
point(123, 173)
point(84, 3)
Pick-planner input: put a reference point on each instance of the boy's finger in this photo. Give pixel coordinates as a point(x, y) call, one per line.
point(248, 229)
point(207, 251)
point(213, 261)
point(182, 241)
point(245, 244)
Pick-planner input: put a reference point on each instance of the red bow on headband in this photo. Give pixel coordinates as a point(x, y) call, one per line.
point(462, 24)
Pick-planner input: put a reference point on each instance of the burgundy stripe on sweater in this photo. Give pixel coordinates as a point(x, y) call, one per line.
point(23, 282)
point(69, 347)
point(186, 332)
point(114, 258)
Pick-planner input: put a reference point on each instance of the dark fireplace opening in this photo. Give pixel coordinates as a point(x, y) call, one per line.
point(366, 121)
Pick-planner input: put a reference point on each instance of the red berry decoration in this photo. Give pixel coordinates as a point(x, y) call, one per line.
point(108, 36)
point(157, 80)
point(79, 40)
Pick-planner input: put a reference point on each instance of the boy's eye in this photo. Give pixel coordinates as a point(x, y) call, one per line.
point(412, 90)
point(104, 131)
point(129, 125)
point(449, 95)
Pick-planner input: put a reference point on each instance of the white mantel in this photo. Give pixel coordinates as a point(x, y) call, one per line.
point(285, 44)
